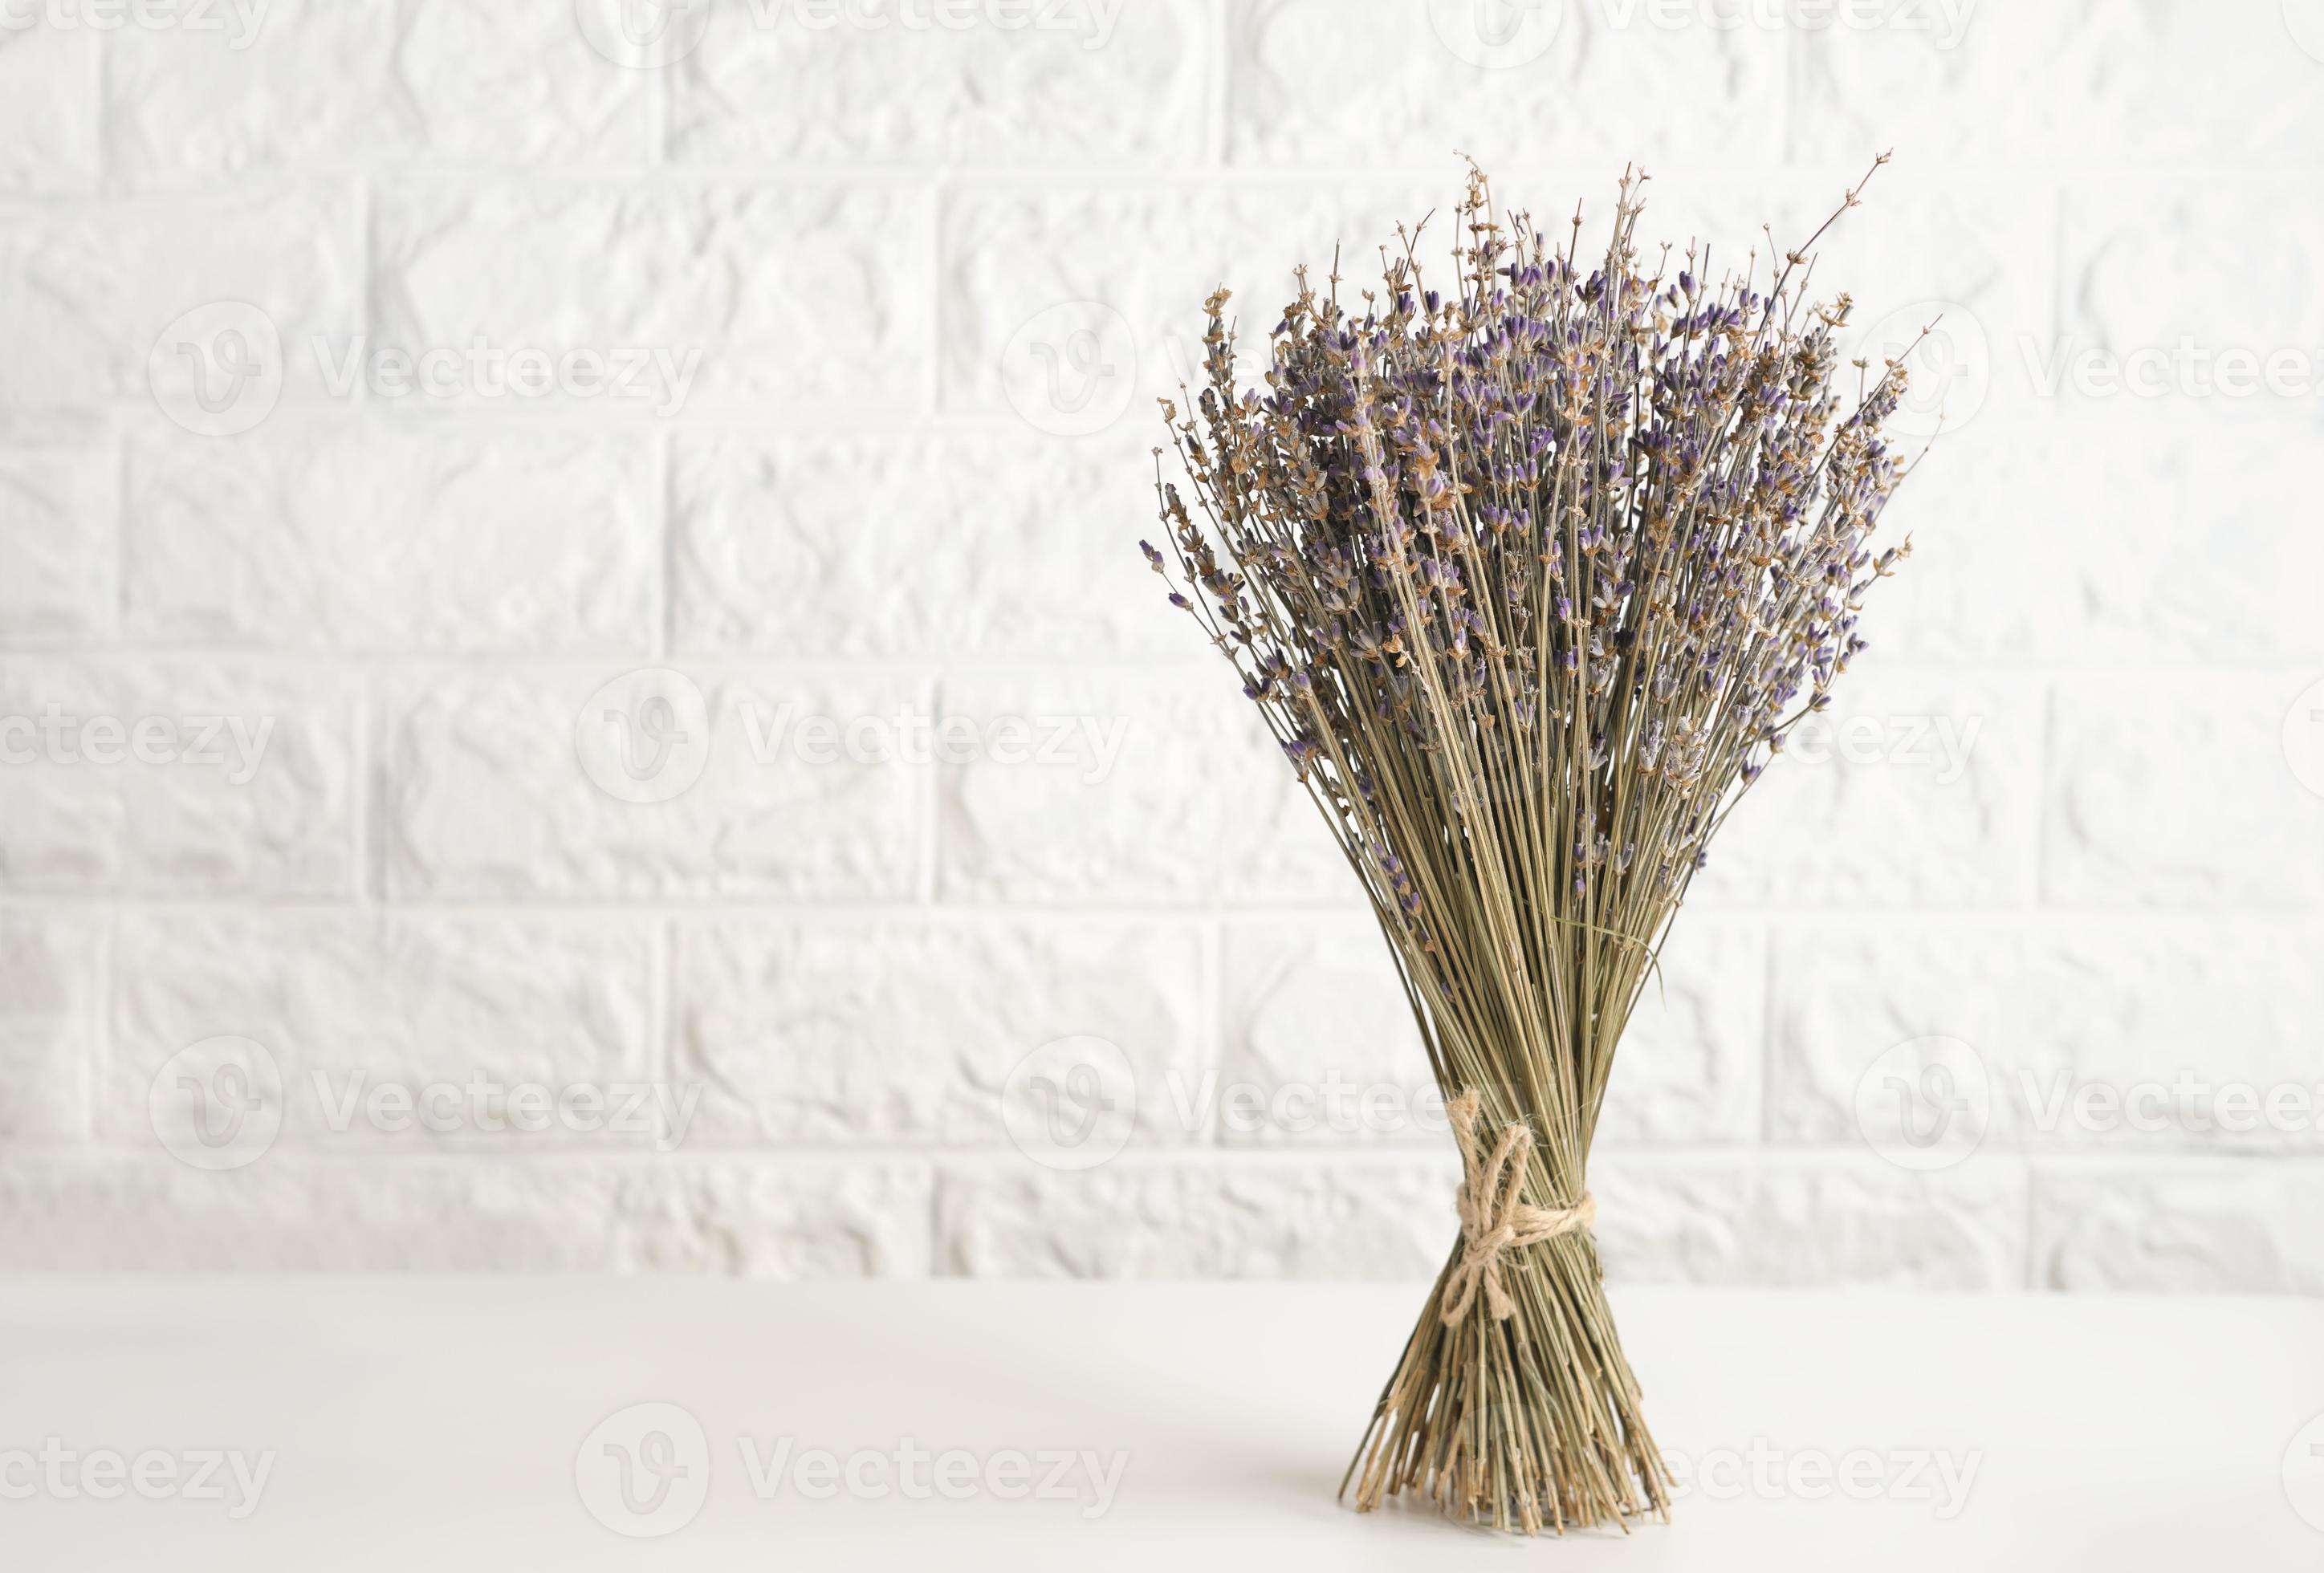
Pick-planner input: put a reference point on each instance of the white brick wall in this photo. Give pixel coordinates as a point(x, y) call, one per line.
point(899, 296)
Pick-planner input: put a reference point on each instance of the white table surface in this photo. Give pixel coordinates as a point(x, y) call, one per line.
point(435, 1423)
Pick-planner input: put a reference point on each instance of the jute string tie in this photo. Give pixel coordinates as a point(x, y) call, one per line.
point(1493, 1220)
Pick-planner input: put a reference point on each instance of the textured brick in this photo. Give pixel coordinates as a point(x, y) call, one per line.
point(48, 110)
point(360, 537)
point(755, 1218)
point(1366, 81)
point(323, 85)
point(1914, 789)
point(505, 84)
point(2170, 790)
point(264, 812)
point(485, 795)
point(766, 83)
point(108, 278)
point(306, 85)
point(794, 295)
point(358, 1001)
point(56, 531)
point(2051, 1006)
point(921, 283)
point(899, 1029)
point(2079, 83)
point(986, 543)
point(1754, 1219)
point(2123, 543)
point(1689, 1067)
point(2245, 1228)
point(1153, 786)
point(49, 1022)
point(1307, 1219)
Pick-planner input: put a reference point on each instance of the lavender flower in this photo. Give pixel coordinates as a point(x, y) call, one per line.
point(1530, 577)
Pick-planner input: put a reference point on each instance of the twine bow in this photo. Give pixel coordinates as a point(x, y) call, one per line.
point(1493, 1220)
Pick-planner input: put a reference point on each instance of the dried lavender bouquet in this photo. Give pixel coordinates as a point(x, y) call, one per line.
point(1530, 579)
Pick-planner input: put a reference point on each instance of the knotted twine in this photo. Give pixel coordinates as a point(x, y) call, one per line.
point(1493, 1220)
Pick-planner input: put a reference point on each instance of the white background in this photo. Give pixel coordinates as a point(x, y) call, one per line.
point(924, 278)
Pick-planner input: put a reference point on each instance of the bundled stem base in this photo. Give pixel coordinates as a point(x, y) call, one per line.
point(1525, 1423)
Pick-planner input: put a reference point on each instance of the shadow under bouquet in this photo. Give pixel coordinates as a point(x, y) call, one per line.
point(1530, 577)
